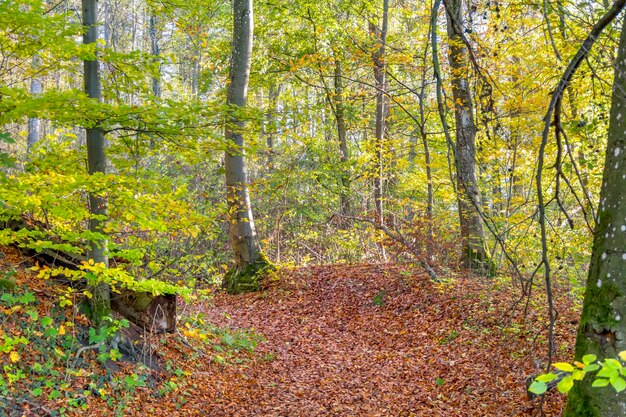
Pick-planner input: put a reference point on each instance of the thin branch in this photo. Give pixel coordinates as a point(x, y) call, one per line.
point(555, 102)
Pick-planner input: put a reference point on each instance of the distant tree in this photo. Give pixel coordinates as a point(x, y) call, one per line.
point(474, 250)
point(249, 260)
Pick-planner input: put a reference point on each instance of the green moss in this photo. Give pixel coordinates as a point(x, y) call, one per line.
point(237, 280)
point(578, 404)
point(7, 285)
point(479, 261)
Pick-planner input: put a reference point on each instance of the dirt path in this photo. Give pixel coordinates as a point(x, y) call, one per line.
point(371, 341)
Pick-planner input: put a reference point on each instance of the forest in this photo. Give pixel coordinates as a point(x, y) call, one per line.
point(340, 208)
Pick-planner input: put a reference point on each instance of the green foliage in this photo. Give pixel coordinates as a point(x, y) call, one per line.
point(610, 371)
point(379, 299)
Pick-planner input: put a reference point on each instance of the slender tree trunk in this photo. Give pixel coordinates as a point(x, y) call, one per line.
point(602, 328)
point(195, 72)
point(155, 51)
point(96, 160)
point(474, 251)
point(381, 87)
point(247, 250)
point(430, 204)
point(270, 123)
point(344, 153)
point(34, 124)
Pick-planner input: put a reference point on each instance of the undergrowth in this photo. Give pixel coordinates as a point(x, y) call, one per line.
point(53, 363)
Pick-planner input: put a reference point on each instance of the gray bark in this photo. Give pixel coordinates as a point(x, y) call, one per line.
point(96, 160)
point(602, 328)
point(155, 51)
point(381, 87)
point(344, 153)
point(474, 253)
point(243, 235)
point(271, 125)
point(34, 124)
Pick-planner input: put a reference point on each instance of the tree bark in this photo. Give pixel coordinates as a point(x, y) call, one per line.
point(602, 328)
point(381, 86)
point(34, 124)
point(247, 250)
point(155, 51)
point(344, 153)
point(96, 160)
point(474, 253)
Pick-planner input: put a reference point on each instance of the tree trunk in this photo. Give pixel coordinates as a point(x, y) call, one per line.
point(344, 155)
point(249, 261)
point(474, 251)
point(96, 160)
point(602, 328)
point(34, 124)
point(155, 51)
point(271, 125)
point(381, 86)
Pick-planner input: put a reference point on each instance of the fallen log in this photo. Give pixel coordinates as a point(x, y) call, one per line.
point(154, 313)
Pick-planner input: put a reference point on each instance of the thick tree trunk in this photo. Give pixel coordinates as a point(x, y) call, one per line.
point(474, 251)
point(96, 160)
point(602, 328)
point(344, 153)
point(247, 251)
point(381, 87)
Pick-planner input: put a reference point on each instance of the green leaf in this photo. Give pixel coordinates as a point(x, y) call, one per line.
point(618, 383)
point(566, 384)
point(538, 388)
point(591, 367)
point(608, 373)
point(545, 377)
point(563, 366)
point(587, 359)
point(613, 363)
point(6, 137)
point(600, 382)
point(37, 392)
point(578, 375)
point(439, 381)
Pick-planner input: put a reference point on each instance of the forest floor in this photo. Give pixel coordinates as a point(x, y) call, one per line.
point(365, 340)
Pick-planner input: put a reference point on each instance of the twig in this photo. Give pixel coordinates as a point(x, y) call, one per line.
point(82, 349)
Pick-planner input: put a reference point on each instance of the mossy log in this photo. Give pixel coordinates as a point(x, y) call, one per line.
point(153, 313)
point(156, 314)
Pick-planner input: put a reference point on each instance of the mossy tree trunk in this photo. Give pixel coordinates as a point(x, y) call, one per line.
point(96, 159)
point(474, 253)
point(249, 261)
point(602, 328)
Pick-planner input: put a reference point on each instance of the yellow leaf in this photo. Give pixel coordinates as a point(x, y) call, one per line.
point(61, 330)
point(14, 356)
point(622, 355)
